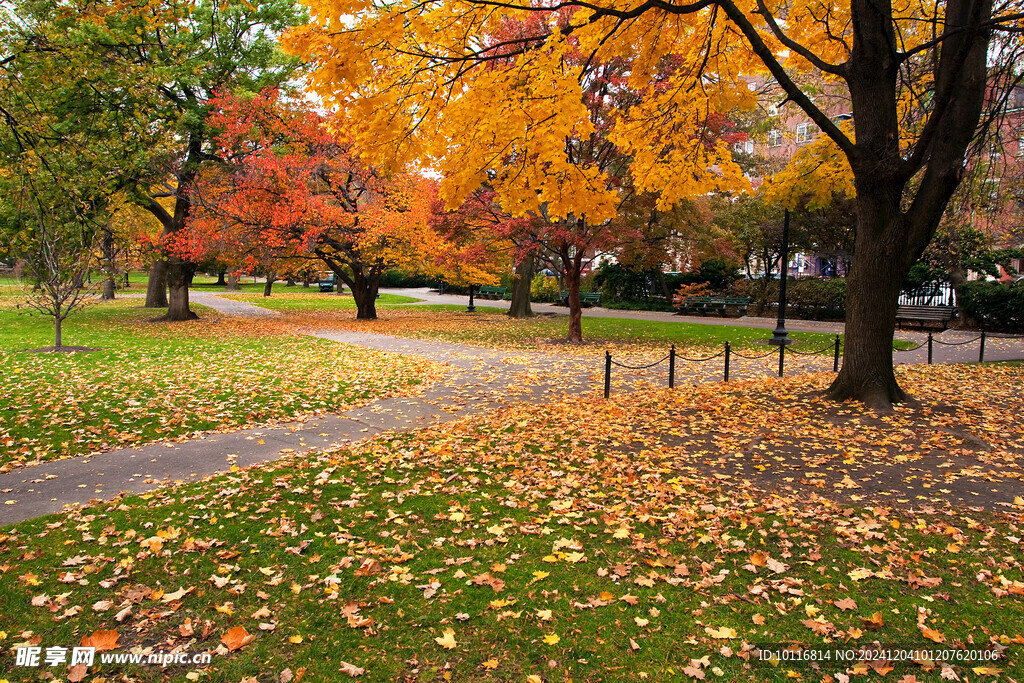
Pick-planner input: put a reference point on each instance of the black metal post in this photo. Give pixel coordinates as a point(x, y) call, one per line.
point(981, 349)
point(728, 351)
point(672, 367)
point(930, 341)
point(780, 337)
point(782, 359)
point(835, 356)
point(607, 373)
point(470, 308)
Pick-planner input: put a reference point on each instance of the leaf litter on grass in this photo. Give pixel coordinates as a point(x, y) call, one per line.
point(579, 539)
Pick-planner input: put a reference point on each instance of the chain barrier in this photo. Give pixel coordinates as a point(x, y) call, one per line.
point(641, 367)
point(726, 352)
point(963, 343)
point(763, 355)
point(931, 341)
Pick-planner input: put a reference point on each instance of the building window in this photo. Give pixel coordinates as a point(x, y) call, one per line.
point(775, 138)
point(744, 147)
point(805, 132)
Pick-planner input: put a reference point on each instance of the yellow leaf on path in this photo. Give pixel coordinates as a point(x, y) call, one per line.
point(295, 640)
point(537, 576)
point(447, 639)
point(551, 639)
point(490, 664)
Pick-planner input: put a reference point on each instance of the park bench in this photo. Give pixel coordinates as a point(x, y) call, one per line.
point(715, 304)
point(488, 292)
point(926, 314)
point(586, 298)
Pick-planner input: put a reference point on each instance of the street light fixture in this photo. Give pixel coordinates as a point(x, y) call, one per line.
point(780, 337)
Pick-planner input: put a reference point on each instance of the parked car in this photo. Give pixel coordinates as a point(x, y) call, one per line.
point(326, 282)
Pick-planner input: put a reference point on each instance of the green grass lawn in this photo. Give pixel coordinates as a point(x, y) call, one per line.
point(577, 541)
point(152, 381)
point(292, 299)
point(489, 326)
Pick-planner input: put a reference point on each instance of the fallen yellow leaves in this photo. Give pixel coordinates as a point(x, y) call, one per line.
point(447, 639)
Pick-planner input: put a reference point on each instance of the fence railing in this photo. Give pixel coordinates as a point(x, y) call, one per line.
point(934, 294)
point(728, 352)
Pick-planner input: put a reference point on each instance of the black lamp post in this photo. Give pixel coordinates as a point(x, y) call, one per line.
point(780, 337)
point(471, 308)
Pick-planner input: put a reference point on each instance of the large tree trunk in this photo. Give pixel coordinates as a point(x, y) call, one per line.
point(233, 282)
point(268, 286)
point(220, 278)
point(872, 291)
point(156, 290)
point(177, 283)
point(894, 224)
point(364, 291)
point(520, 306)
point(108, 288)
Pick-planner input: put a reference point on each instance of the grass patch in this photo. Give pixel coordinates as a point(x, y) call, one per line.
point(581, 540)
point(489, 326)
point(152, 381)
point(292, 300)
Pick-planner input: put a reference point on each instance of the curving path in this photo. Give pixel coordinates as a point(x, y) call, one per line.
point(480, 379)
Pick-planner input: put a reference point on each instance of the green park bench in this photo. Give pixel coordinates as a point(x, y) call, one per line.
point(715, 304)
point(488, 292)
point(586, 298)
point(926, 314)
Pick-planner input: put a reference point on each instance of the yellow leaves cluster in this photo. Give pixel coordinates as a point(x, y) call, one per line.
point(402, 80)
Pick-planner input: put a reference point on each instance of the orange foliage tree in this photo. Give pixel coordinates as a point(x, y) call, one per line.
point(289, 189)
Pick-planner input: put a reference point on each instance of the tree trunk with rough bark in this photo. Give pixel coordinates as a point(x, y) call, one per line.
point(572, 284)
point(232, 282)
point(156, 290)
point(268, 286)
point(364, 291)
point(177, 285)
point(520, 306)
point(109, 272)
point(221, 282)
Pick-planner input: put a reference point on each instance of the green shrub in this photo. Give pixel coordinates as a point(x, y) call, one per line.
point(992, 305)
point(396, 277)
point(650, 303)
point(544, 288)
point(809, 299)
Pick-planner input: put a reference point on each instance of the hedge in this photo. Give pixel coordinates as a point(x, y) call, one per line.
point(992, 305)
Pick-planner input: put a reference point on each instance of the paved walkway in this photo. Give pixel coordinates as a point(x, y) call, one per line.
point(481, 379)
